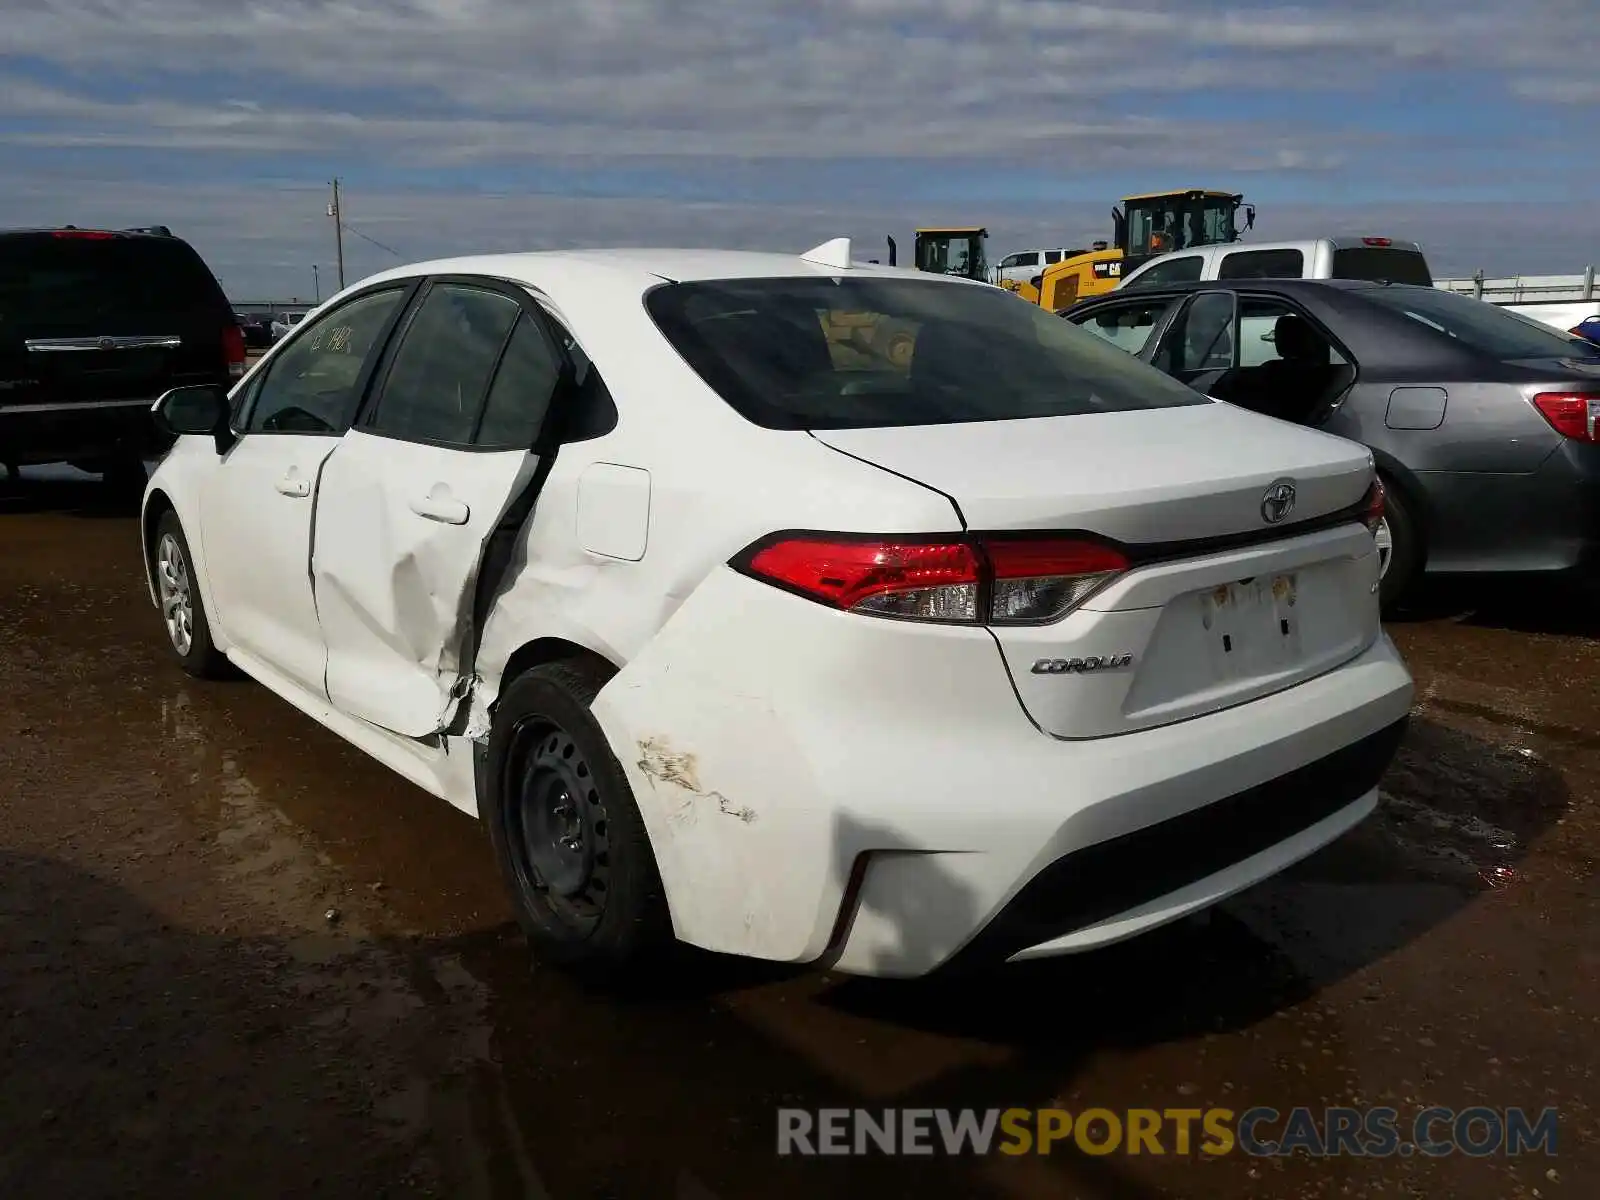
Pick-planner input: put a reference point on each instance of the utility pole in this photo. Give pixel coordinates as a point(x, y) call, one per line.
point(338, 231)
point(316, 283)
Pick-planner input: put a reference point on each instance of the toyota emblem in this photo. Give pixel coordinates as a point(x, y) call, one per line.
point(1278, 501)
point(106, 343)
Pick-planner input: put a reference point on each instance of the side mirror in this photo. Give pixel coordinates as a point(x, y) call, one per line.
point(201, 409)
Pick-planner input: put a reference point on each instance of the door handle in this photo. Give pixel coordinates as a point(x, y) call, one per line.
point(293, 484)
point(440, 505)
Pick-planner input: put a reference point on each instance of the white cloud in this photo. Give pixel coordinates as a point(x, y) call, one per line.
point(965, 91)
point(804, 78)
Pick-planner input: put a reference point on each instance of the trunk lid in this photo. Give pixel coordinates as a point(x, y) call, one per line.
point(1146, 476)
point(1218, 607)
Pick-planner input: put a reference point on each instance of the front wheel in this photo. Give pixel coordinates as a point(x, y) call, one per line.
point(183, 613)
point(567, 833)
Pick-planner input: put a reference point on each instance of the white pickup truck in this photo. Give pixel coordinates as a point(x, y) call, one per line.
point(1332, 258)
point(1376, 258)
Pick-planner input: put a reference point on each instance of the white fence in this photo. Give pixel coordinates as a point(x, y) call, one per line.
point(1525, 289)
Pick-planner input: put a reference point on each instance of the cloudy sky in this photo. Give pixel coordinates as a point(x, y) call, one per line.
point(461, 125)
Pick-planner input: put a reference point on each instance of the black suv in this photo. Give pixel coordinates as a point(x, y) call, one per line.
point(94, 326)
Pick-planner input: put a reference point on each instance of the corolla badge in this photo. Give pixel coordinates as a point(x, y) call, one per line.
point(1278, 501)
point(1080, 666)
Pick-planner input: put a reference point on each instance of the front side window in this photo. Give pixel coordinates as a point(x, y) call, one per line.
point(810, 353)
point(1126, 326)
point(434, 389)
point(312, 386)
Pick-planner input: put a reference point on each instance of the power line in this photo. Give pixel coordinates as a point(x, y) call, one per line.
point(374, 241)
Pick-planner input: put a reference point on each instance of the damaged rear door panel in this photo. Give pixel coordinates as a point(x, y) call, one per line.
point(412, 497)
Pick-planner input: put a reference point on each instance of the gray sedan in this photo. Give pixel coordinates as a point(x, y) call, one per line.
point(1485, 426)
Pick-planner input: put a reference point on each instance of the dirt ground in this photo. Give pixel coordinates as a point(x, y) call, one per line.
point(239, 959)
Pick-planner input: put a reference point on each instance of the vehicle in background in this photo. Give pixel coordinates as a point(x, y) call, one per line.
point(1588, 330)
point(957, 250)
point(1379, 259)
point(1146, 227)
point(94, 326)
point(1563, 315)
point(1025, 264)
point(256, 329)
point(1485, 426)
point(589, 576)
point(283, 323)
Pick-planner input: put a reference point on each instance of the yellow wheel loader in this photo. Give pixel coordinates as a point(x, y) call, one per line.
point(861, 338)
point(1145, 226)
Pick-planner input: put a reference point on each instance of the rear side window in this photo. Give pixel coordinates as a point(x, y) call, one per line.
point(1262, 264)
point(1381, 265)
point(816, 353)
point(434, 390)
point(107, 284)
point(522, 388)
point(1179, 268)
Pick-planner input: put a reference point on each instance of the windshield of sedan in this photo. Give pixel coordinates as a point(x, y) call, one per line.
point(853, 353)
point(1496, 332)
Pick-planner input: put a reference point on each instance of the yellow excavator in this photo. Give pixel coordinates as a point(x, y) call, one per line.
point(1145, 226)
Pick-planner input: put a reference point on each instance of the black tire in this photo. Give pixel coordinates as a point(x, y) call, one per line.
point(125, 476)
point(1399, 583)
point(200, 657)
point(571, 845)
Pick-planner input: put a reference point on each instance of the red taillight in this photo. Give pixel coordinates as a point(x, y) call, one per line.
point(233, 349)
point(93, 235)
point(1571, 414)
point(1003, 582)
point(1377, 242)
point(1372, 506)
point(933, 580)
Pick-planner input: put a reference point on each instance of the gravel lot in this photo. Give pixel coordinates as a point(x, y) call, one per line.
point(186, 1018)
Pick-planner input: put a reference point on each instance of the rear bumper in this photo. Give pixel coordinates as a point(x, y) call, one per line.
point(1126, 884)
point(75, 432)
point(867, 794)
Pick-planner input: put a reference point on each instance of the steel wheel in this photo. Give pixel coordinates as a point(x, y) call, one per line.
point(1384, 537)
point(559, 833)
point(177, 597)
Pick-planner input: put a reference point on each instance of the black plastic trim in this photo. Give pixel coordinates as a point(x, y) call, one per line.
point(1094, 884)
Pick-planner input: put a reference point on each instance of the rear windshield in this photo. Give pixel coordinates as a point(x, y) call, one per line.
point(108, 282)
point(1485, 327)
point(1382, 265)
point(816, 353)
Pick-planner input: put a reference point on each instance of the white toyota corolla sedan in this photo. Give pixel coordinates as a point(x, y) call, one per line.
point(790, 607)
